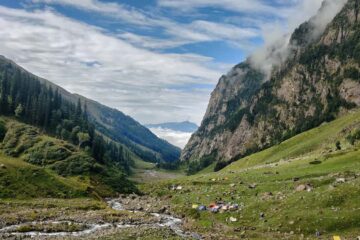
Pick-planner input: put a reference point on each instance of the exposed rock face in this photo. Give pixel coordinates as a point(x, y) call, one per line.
point(321, 76)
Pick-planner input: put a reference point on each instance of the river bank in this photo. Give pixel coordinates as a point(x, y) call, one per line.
point(91, 220)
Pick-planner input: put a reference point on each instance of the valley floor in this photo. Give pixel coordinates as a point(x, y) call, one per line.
point(78, 219)
point(148, 172)
point(304, 188)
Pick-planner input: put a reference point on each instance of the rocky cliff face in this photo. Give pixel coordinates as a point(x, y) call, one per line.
point(250, 110)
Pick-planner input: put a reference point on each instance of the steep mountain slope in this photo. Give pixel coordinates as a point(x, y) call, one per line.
point(113, 124)
point(123, 129)
point(250, 110)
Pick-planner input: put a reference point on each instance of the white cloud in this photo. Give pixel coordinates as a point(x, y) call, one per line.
point(231, 5)
point(178, 33)
point(130, 71)
point(277, 48)
point(176, 138)
point(131, 79)
point(117, 10)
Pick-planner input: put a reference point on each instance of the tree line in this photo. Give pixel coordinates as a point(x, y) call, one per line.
point(23, 96)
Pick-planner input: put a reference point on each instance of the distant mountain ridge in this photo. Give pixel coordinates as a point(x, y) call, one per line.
point(117, 126)
point(185, 126)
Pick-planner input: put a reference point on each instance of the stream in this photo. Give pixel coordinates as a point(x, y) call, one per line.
point(171, 222)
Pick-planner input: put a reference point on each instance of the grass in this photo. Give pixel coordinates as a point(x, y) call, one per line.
point(51, 227)
point(148, 172)
point(37, 165)
point(318, 139)
point(331, 208)
point(22, 180)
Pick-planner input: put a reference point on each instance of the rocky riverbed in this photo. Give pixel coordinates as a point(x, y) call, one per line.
point(130, 217)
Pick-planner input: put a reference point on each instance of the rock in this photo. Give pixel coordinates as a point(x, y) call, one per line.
point(292, 233)
point(295, 179)
point(252, 186)
point(291, 223)
point(262, 215)
point(266, 196)
point(340, 180)
point(304, 187)
point(232, 185)
point(163, 210)
point(232, 219)
point(179, 188)
point(2, 166)
point(196, 236)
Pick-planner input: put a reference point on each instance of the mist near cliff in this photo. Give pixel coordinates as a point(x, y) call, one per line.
point(277, 46)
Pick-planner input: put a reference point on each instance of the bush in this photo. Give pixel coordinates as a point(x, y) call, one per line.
point(118, 181)
point(196, 166)
point(353, 137)
point(338, 145)
point(47, 153)
point(350, 138)
point(315, 162)
point(2, 131)
point(220, 165)
point(74, 165)
point(352, 73)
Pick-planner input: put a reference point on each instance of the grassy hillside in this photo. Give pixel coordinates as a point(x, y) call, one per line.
point(20, 179)
point(35, 165)
point(111, 123)
point(266, 186)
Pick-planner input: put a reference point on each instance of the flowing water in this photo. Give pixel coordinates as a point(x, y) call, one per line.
point(175, 224)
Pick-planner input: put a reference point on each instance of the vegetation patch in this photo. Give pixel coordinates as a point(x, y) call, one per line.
point(52, 227)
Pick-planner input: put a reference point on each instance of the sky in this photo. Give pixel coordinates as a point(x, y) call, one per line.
point(177, 138)
point(155, 60)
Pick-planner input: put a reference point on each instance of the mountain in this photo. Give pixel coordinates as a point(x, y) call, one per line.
point(314, 80)
point(122, 128)
point(112, 123)
point(186, 126)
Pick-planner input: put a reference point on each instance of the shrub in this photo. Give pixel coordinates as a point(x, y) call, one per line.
point(196, 166)
point(338, 145)
point(47, 153)
point(350, 138)
point(315, 162)
point(2, 131)
point(118, 181)
point(353, 137)
point(352, 73)
point(74, 165)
